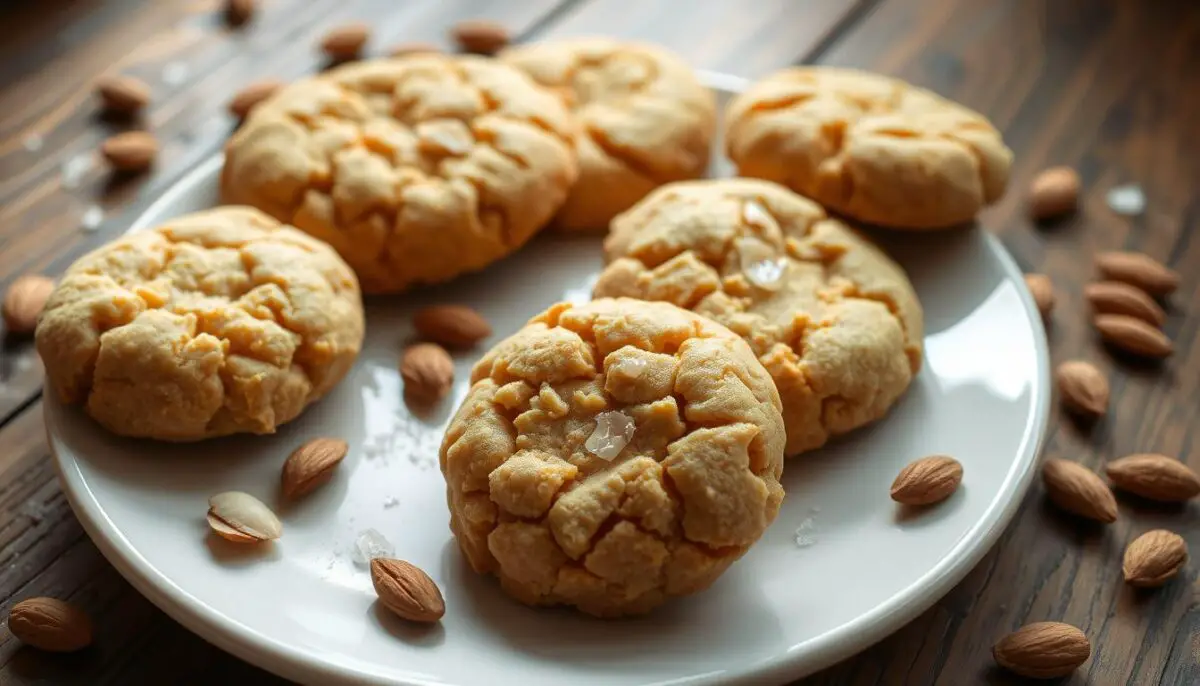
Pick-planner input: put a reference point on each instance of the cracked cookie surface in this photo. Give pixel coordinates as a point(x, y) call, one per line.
point(415, 169)
point(832, 318)
point(867, 146)
point(214, 323)
point(645, 120)
point(612, 455)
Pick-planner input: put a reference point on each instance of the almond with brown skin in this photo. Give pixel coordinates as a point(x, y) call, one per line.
point(1153, 558)
point(1114, 297)
point(133, 151)
point(23, 302)
point(311, 465)
point(346, 42)
point(238, 12)
point(406, 590)
point(480, 36)
point(1138, 269)
point(1133, 335)
point(1083, 387)
point(1042, 290)
point(50, 624)
point(1157, 477)
point(246, 99)
point(428, 372)
point(1043, 650)
point(927, 481)
point(1054, 192)
point(413, 48)
point(456, 326)
point(1078, 490)
point(122, 95)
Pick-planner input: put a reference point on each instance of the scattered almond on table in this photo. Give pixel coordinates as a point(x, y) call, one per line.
point(311, 465)
point(1154, 558)
point(242, 518)
point(123, 95)
point(1115, 297)
point(1043, 650)
point(50, 624)
point(1138, 269)
point(1155, 477)
point(346, 42)
point(246, 99)
point(133, 151)
point(480, 36)
point(406, 590)
point(1078, 490)
point(1133, 335)
point(1042, 290)
point(456, 326)
point(927, 481)
point(1083, 388)
point(1053, 193)
point(23, 302)
point(428, 372)
point(238, 12)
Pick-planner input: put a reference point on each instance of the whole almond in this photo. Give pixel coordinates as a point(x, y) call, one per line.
point(927, 480)
point(23, 302)
point(311, 465)
point(346, 42)
point(1043, 650)
point(123, 95)
point(428, 372)
point(480, 36)
point(242, 518)
point(1054, 192)
point(238, 12)
point(452, 325)
point(1042, 290)
point(1157, 477)
point(1133, 335)
point(1078, 490)
point(1114, 297)
point(246, 99)
point(413, 48)
point(1153, 558)
point(1138, 269)
point(406, 590)
point(133, 151)
point(1083, 387)
point(50, 624)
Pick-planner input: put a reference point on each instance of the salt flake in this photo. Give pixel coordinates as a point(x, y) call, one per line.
point(174, 73)
point(74, 169)
point(369, 545)
point(761, 264)
point(90, 221)
point(390, 502)
point(806, 533)
point(613, 432)
point(754, 214)
point(1128, 199)
point(632, 367)
point(33, 142)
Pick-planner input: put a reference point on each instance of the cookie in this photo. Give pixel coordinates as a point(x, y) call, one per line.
point(214, 323)
point(416, 169)
point(869, 147)
point(834, 321)
point(612, 455)
point(644, 119)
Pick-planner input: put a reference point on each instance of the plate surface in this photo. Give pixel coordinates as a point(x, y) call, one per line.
point(839, 569)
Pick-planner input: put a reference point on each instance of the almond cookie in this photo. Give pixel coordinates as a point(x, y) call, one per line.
point(214, 323)
point(834, 321)
point(612, 455)
point(415, 169)
point(867, 146)
point(644, 120)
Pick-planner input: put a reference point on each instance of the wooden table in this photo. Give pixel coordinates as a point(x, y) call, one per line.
point(1110, 87)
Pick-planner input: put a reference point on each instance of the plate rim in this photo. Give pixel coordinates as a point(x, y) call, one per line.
point(820, 652)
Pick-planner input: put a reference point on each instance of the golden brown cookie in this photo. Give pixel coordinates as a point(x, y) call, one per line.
point(214, 323)
point(834, 321)
point(644, 119)
point(867, 146)
point(415, 169)
point(612, 455)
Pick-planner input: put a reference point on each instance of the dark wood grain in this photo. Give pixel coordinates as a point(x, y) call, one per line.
point(1111, 87)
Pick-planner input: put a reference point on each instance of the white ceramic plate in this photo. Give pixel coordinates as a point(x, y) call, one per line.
point(839, 570)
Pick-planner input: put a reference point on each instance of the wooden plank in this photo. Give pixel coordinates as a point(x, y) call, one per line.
point(1111, 88)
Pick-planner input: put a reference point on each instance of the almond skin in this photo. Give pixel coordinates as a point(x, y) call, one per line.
point(1043, 650)
point(1133, 335)
point(122, 95)
point(927, 481)
point(345, 42)
point(250, 96)
point(1054, 192)
point(238, 12)
point(1138, 269)
point(1153, 558)
point(1114, 297)
point(23, 302)
point(49, 624)
point(1078, 490)
point(456, 326)
point(1042, 290)
point(1156, 477)
point(133, 151)
point(428, 372)
point(311, 465)
point(406, 590)
point(480, 36)
point(413, 48)
point(1083, 387)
